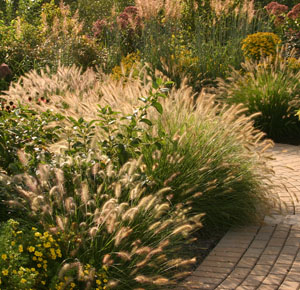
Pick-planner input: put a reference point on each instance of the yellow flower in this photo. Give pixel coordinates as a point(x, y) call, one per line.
point(47, 245)
point(23, 281)
point(43, 282)
point(31, 249)
point(39, 265)
point(46, 234)
point(105, 281)
point(32, 269)
point(37, 234)
point(34, 258)
point(20, 248)
point(5, 272)
point(72, 285)
point(4, 257)
point(98, 282)
point(14, 272)
point(34, 229)
point(40, 259)
point(13, 243)
point(38, 254)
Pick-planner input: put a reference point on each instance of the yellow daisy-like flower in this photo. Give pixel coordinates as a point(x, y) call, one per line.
point(32, 269)
point(37, 234)
point(14, 272)
point(98, 282)
point(23, 281)
point(13, 243)
point(4, 257)
point(20, 248)
point(38, 254)
point(47, 245)
point(39, 265)
point(34, 258)
point(31, 249)
point(5, 272)
point(34, 229)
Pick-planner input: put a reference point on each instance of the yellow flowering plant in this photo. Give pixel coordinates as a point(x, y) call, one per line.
point(131, 63)
point(28, 259)
point(260, 44)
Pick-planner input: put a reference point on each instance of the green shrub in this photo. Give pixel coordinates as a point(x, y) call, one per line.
point(270, 88)
point(23, 128)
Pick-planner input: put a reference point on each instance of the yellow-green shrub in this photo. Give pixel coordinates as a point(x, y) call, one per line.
point(129, 63)
point(260, 44)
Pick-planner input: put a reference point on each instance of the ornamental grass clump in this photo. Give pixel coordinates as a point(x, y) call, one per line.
point(271, 89)
point(224, 165)
point(219, 150)
point(104, 226)
point(260, 44)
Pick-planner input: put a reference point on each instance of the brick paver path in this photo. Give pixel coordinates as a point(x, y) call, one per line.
point(260, 257)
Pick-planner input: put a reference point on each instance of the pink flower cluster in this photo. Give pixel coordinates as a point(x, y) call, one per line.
point(295, 12)
point(276, 9)
point(99, 26)
point(129, 18)
point(4, 70)
point(281, 11)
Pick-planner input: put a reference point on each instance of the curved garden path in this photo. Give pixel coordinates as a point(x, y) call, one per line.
point(260, 257)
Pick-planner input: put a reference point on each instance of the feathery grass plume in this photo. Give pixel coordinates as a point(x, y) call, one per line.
point(133, 236)
point(224, 169)
point(268, 88)
point(149, 9)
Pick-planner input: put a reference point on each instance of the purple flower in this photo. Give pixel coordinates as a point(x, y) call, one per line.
point(99, 26)
point(276, 9)
point(4, 70)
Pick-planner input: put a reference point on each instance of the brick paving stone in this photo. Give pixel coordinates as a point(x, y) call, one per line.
point(246, 287)
point(217, 264)
point(293, 277)
point(290, 250)
point(259, 244)
point(285, 259)
point(267, 287)
point(240, 272)
point(279, 269)
point(247, 262)
point(276, 242)
point(207, 280)
point(272, 250)
point(253, 252)
point(214, 269)
point(286, 285)
point(253, 280)
point(203, 274)
point(267, 259)
point(261, 270)
point(273, 279)
point(227, 250)
point(261, 257)
point(230, 283)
